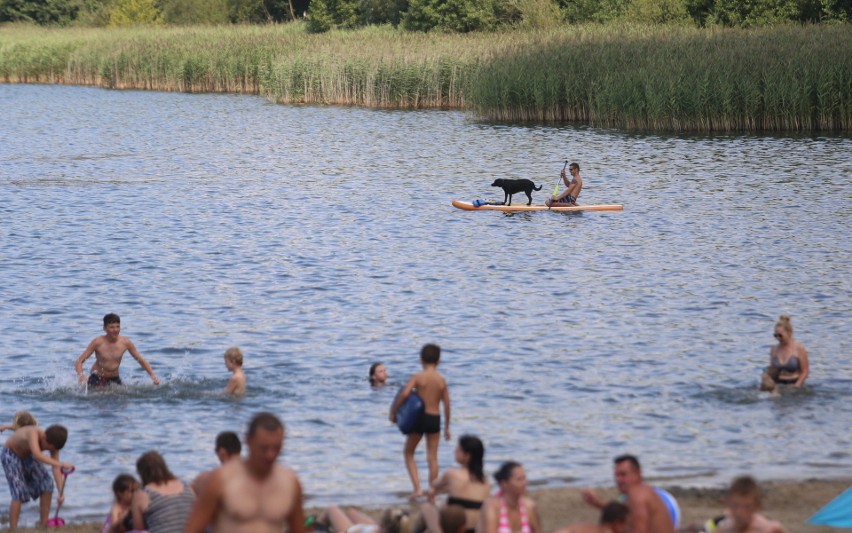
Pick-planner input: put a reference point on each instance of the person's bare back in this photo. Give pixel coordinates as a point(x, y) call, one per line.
point(431, 387)
point(648, 512)
point(21, 440)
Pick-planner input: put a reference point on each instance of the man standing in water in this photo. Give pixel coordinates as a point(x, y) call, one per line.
point(109, 348)
point(255, 495)
point(648, 512)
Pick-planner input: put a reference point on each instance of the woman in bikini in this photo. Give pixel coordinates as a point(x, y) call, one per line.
point(466, 487)
point(510, 510)
point(788, 360)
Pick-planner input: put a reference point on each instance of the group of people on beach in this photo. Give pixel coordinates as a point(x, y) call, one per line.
point(256, 494)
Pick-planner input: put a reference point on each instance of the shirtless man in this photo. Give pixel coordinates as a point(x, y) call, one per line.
point(572, 188)
point(254, 495)
point(109, 349)
point(432, 389)
point(648, 512)
point(28, 479)
point(613, 520)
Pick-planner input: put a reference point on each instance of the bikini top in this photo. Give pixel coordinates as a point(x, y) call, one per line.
point(792, 365)
point(464, 502)
point(505, 526)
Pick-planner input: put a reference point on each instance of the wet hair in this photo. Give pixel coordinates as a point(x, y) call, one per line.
point(230, 442)
point(111, 318)
point(614, 513)
point(472, 446)
point(430, 354)
point(152, 468)
point(505, 471)
point(395, 521)
point(264, 420)
point(373, 368)
point(453, 518)
point(123, 482)
point(574, 165)
point(22, 419)
point(745, 486)
point(234, 355)
point(784, 323)
point(632, 459)
point(56, 436)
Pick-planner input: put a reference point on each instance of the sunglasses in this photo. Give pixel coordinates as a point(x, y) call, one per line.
point(778, 336)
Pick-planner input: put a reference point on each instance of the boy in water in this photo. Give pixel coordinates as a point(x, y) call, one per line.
point(234, 363)
point(27, 479)
point(109, 349)
point(432, 389)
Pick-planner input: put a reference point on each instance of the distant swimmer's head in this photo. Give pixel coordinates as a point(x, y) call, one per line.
point(430, 354)
point(378, 374)
point(234, 356)
point(743, 501)
point(24, 418)
point(395, 521)
point(470, 453)
point(56, 436)
point(511, 478)
point(783, 329)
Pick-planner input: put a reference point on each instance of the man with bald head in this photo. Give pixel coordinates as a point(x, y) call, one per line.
point(255, 494)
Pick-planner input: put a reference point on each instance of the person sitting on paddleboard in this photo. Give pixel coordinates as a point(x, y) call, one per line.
point(572, 188)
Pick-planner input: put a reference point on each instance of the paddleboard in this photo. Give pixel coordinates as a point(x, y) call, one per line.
point(517, 208)
point(409, 412)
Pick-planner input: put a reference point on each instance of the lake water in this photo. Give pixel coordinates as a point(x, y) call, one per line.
point(321, 239)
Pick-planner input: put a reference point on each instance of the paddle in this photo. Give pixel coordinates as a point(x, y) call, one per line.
point(556, 188)
point(56, 521)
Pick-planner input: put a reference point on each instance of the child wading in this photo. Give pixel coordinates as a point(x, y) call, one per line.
point(432, 388)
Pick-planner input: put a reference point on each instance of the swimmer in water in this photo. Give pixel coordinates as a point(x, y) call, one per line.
point(109, 349)
point(378, 375)
point(234, 363)
point(788, 360)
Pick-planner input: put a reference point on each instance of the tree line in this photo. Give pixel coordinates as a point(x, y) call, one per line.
point(424, 15)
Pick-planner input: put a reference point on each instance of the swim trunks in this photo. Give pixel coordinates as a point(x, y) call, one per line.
point(566, 200)
point(427, 424)
point(99, 381)
point(28, 479)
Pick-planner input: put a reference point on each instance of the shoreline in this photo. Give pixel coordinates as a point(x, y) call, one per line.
point(790, 502)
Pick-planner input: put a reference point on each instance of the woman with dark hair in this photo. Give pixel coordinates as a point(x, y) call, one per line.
point(163, 504)
point(510, 510)
point(378, 374)
point(467, 486)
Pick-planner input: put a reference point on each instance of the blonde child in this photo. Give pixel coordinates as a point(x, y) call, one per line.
point(119, 519)
point(21, 419)
point(234, 363)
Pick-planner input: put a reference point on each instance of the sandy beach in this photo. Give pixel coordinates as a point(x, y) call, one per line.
point(792, 503)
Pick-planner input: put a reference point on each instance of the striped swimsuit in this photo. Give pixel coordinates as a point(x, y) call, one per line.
point(168, 513)
point(505, 526)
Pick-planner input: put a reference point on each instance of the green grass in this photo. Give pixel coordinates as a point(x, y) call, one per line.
point(787, 78)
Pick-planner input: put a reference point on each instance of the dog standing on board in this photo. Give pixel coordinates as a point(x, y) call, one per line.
point(511, 187)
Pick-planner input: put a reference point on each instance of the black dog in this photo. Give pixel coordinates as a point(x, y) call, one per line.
point(511, 187)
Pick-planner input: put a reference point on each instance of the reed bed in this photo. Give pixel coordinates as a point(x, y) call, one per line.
point(674, 79)
point(790, 78)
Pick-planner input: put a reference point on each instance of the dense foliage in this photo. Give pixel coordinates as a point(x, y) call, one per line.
point(424, 15)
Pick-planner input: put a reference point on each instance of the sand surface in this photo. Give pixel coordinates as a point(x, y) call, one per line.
point(792, 503)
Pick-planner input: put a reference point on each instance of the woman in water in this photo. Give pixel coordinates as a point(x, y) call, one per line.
point(466, 487)
point(788, 360)
point(378, 375)
point(510, 510)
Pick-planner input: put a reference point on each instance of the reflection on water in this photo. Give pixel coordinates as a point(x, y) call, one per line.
point(322, 239)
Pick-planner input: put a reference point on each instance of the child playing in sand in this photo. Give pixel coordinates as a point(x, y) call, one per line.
point(234, 363)
point(432, 389)
point(28, 479)
point(21, 419)
point(119, 519)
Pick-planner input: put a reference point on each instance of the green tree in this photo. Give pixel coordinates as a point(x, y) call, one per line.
point(324, 15)
point(382, 11)
point(657, 11)
point(195, 11)
point(578, 11)
point(44, 12)
point(133, 13)
point(450, 15)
